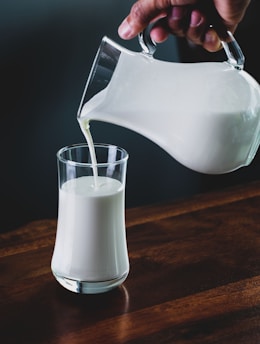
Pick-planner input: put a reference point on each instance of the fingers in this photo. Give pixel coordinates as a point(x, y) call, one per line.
point(200, 32)
point(231, 11)
point(143, 12)
point(190, 23)
point(180, 18)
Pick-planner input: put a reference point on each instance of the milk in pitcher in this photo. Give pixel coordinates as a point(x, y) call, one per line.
point(205, 115)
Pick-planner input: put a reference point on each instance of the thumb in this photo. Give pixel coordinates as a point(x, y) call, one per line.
point(144, 12)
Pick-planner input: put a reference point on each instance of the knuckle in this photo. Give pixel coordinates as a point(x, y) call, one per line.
point(138, 13)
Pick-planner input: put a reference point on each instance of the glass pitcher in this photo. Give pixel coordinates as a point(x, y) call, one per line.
point(205, 115)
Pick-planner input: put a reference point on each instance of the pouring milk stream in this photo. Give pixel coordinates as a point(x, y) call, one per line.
point(205, 115)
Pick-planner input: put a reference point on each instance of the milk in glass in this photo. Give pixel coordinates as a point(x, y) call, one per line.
point(91, 242)
point(90, 254)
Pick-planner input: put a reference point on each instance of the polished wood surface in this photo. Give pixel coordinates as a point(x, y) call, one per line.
point(194, 278)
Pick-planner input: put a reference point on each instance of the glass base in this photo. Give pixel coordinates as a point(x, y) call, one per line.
point(83, 287)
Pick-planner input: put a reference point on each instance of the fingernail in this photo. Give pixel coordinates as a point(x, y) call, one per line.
point(125, 30)
point(212, 39)
point(195, 19)
point(177, 13)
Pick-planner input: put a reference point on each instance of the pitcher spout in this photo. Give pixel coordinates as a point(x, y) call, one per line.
point(102, 70)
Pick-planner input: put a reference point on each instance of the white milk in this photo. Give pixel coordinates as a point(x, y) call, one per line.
point(84, 126)
point(91, 239)
point(205, 115)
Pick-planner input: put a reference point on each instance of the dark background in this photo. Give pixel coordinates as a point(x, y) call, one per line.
point(47, 48)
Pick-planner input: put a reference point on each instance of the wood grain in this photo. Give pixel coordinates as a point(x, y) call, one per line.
point(194, 278)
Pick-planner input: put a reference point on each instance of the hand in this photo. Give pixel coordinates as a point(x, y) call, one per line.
point(203, 22)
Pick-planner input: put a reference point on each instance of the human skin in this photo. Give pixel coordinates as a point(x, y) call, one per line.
point(203, 22)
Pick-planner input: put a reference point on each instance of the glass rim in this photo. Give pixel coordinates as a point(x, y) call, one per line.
point(89, 164)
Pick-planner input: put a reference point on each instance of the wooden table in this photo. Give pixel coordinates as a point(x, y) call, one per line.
point(195, 278)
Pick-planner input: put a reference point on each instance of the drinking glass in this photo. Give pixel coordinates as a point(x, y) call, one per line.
point(90, 252)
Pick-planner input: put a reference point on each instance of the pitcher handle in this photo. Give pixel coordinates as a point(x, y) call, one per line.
point(232, 49)
point(147, 44)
